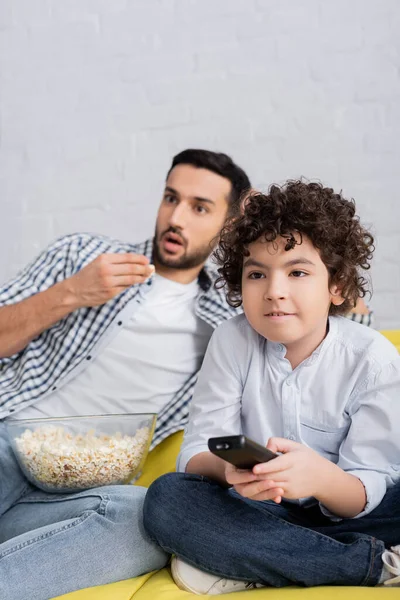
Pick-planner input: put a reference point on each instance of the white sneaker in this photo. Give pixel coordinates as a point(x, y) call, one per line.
point(391, 567)
point(194, 580)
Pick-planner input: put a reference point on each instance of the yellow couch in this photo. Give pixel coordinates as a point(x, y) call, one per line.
point(160, 586)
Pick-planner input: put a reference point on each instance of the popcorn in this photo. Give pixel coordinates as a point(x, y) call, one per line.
point(58, 459)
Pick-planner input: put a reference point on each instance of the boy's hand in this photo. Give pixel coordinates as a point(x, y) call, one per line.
point(247, 484)
point(299, 471)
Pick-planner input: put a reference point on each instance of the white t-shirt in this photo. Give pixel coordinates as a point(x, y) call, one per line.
point(144, 365)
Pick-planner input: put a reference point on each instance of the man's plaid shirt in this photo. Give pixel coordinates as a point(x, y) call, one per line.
point(41, 367)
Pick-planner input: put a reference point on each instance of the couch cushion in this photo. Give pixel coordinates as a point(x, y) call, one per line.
point(160, 586)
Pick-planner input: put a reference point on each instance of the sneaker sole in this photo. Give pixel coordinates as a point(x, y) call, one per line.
point(179, 582)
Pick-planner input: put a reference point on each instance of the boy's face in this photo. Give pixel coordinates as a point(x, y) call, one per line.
point(286, 295)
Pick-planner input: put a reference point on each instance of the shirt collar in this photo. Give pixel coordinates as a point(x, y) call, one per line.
point(280, 349)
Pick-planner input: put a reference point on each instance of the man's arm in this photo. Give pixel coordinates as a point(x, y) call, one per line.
point(360, 308)
point(22, 322)
point(97, 283)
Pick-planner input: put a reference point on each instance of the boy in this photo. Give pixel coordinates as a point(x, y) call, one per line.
point(321, 390)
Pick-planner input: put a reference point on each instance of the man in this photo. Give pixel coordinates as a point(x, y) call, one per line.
point(92, 327)
point(85, 300)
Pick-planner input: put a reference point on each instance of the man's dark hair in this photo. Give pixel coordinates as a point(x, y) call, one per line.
point(219, 163)
point(301, 208)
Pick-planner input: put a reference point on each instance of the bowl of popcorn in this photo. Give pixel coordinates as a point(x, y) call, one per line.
point(68, 454)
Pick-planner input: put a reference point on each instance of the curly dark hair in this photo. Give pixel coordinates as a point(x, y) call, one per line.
point(301, 208)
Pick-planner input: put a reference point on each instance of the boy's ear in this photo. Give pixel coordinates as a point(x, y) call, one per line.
point(336, 295)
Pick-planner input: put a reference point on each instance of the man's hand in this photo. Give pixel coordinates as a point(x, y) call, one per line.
point(106, 277)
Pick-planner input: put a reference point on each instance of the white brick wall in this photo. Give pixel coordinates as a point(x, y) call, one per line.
point(97, 95)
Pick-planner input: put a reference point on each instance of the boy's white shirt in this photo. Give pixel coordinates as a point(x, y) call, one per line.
point(343, 401)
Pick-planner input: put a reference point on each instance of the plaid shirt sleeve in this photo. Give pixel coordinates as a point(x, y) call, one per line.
point(367, 319)
point(37, 276)
point(36, 370)
point(62, 259)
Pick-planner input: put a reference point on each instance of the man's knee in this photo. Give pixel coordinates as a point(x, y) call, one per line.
point(123, 502)
point(128, 537)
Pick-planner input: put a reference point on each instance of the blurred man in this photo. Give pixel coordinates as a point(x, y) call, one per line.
point(97, 326)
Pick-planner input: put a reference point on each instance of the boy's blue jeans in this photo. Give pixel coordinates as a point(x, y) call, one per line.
point(221, 532)
point(52, 544)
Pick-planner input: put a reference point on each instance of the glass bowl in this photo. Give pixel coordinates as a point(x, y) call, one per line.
point(68, 454)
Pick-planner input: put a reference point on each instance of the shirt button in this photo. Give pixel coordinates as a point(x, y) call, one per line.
point(291, 437)
point(288, 381)
point(119, 323)
point(89, 357)
point(280, 347)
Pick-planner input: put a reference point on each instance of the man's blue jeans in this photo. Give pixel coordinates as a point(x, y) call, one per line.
point(221, 532)
point(52, 544)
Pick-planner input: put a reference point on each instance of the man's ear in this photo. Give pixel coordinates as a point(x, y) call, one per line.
point(336, 295)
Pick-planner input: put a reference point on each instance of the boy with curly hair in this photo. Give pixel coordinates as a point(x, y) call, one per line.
point(322, 391)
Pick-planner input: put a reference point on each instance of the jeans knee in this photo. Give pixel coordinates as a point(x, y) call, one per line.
point(161, 503)
point(124, 503)
point(135, 549)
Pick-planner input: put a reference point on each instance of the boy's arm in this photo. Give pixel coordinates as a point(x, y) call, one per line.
point(215, 407)
point(300, 472)
point(368, 461)
point(370, 454)
point(209, 465)
point(341, 493)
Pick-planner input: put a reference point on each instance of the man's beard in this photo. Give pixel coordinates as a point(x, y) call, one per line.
point(186, 261)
